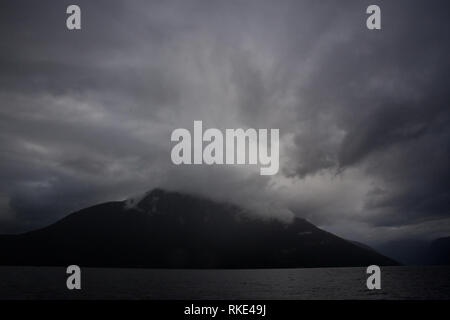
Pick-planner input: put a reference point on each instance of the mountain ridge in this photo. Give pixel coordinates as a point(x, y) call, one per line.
point(165, 229)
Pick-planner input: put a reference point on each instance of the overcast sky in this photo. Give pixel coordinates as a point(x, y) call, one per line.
point(364, 117)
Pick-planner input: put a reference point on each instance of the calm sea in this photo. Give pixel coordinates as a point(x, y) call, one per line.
point(322, 283)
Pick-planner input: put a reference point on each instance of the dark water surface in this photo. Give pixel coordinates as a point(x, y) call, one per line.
point(322, 283)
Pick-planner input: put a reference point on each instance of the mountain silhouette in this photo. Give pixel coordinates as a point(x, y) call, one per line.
point(173, 230)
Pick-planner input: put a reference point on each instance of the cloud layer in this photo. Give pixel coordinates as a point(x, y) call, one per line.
point(363, 115)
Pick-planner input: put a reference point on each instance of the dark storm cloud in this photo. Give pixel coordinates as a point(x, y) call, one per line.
point(387, 97)
point(363, 115)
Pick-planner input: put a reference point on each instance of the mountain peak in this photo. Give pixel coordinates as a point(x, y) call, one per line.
point(146, 201)
point(181, 231)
